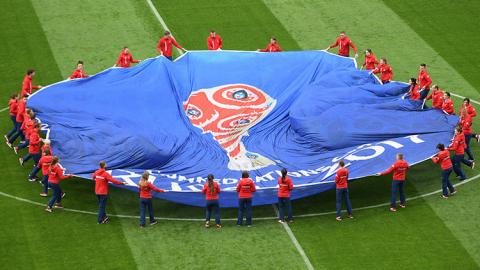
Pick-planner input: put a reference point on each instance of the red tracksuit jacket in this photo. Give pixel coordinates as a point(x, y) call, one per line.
point(27, 86)
point(78, 74)
point(424, 79)
point(55, 174)
point(344, 46)
point(34, 142)
point(146, 192)
point(209, 195)
point(272, 47)
point(466, 125)
point(101, 178)
point(399, 168)
point(469, 109)
point(125, 59)
point(214, 43)
point(45, 147)
point(27, 126)
point(443, 157)
point(284, 188)
point(370, 62)
point(458, 145)
point(245, 188)
point(44, 164)
point(21, 104)
point(386, 72)
point(12, 106)
point(341, 179)
point(437, 99)
point(165, 45)
point(414, 94)
point(447, 106)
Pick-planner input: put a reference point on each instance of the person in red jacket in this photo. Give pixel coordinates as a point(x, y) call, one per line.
point(46, 145)
point(27, 127)
point(146, 188)
point(27, 86)
point(458, 146)
point(468, 108)
point(413, 91)
point(273, 46)
point(285, 186)
point(34, 151)
point(125, 59)
point(245, 189)
point(101, 178)
point(12, 109)
point(385, 70)
point(214, 41)
point(44, 164)
point(164, 46)
point(341, 184)
point(79, 72)
point(437, 97)
point(370, 61)
point(211, 189)
point(55, 175)
point(447, 105)
point(424, 81)
point(21, 108)
point(344, 44)
point(443, 157)
point(466, 122)
point(399, 169)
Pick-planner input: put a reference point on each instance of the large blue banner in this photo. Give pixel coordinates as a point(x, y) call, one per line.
point(222, 112)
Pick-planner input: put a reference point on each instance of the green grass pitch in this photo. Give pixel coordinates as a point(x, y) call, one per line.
point(431, 233)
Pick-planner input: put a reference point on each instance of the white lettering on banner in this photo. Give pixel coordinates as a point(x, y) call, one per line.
point(182, 178)
point(377, 148)
point(201, 179)
point(175, 186)
point(415, 139)
point(127, 178)
point(229, 181)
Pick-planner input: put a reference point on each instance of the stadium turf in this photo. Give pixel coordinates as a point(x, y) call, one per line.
point(430, 234)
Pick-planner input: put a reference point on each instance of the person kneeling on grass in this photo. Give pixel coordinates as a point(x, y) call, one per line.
point(145, 188)
point(55, 175)
point(211, 190)
point(44, 163)
point(285, 185)
point(341, 182)
point(101, 178)
point(245, 189)
point(399, 169)
point(443, 157)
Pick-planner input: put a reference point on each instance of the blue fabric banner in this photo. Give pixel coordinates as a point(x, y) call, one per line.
point(222, 112)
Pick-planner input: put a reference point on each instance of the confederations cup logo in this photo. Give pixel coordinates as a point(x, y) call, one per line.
point(228, 112)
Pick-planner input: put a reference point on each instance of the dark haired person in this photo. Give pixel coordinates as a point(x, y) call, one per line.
point(27, 84)
point(12, 109)
point(447, 105)
point(370, 61)
point(245, 189)
point(55, 175)
point(386, 73)
point(424, 81)
point(413, 91)
point(273, 46)
point(211, 189)
point(285, 185)
point(443, 157)
point(214, 41)
point(399, 169)
point(44, 164)
point(344, 44)
point(468, 108)
point(164, 46)
point(101, 178)
point(125, 59)
point(437, 97)
point(341, 185)
point(34, 151)
point(21, 109)
point(79, 72)
point(458, 146)
point(146, 188)
point(466, 122)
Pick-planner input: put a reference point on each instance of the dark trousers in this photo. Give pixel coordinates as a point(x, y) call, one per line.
point(244, 205)
point(446, 185)
point(26, 143)
point(341, 194)
point(467, 142)
point(36, 157)
point(14, 128)
point(18, 132)
point(146, 203)
point(102, 204)
point(397, 186)
point(45, 184)
point(457, 165)
point(424, 94)
point(169, 58)
point(284, 203)
point(212, 206)
point(56, 195)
